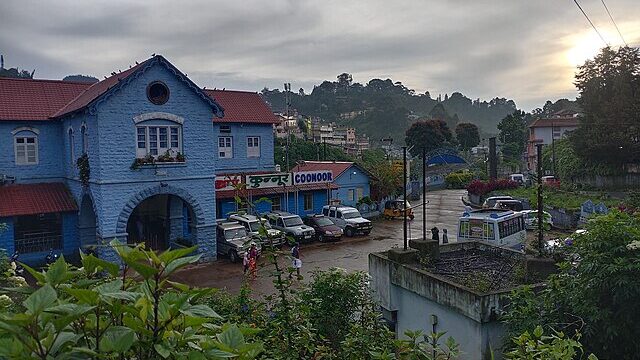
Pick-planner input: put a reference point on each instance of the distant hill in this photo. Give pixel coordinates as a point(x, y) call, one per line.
point(81, 78)
point(383, 108)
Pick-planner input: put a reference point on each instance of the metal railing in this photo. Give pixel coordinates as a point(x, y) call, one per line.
point(38, 242)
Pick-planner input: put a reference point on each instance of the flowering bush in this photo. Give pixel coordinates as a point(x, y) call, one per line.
point(478, 187)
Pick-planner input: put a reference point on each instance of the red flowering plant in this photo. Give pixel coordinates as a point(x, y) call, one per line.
point(479, 187)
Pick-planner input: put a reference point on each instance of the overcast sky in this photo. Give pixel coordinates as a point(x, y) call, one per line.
point(520, 49)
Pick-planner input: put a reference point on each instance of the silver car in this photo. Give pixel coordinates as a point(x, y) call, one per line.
point(252, 224)
point(233, 240)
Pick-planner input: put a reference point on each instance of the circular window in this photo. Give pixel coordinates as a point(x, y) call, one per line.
point(158, 92)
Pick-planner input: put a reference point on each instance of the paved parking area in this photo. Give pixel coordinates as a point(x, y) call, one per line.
point(443, 210)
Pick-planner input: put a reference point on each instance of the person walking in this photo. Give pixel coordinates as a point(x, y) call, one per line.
point(245, 262)
point(445, 237)
point(253, 260)
point(297, 263)
point(435, 233)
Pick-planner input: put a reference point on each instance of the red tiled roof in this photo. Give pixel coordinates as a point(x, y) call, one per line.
point(32, 199)
point(28, 99)
point(337, 167)
point(228, 194)
point(556, 122)
point(242, 107)
point(97, 89)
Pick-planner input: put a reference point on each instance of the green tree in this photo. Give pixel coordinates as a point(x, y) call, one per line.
point(513, 130)
point(430, 134)
point(609, 87)
point(467, 135)
point(595, 292)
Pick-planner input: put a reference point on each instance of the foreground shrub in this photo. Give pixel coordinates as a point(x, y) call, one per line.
point(99, 312)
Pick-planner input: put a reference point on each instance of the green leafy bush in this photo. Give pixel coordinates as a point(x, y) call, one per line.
point(595, 293)
point(458, 179)
point(98, 312)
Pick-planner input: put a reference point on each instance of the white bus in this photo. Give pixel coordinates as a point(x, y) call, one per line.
point(498, 227)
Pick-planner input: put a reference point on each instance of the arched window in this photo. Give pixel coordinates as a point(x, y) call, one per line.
point(71, 147)
point(25, 146)
point(85, 138)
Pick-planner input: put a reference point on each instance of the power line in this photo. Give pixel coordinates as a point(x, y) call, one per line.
point(590, 22)
point(614, 22)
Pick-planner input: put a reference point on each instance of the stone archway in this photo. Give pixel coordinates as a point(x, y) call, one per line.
point(157, 216)
point(87, 222)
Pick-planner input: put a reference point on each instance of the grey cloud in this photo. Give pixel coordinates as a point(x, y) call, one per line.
point(482, 48)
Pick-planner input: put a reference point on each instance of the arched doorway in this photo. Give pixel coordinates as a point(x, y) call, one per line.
point(87, 227)
point(161, 221)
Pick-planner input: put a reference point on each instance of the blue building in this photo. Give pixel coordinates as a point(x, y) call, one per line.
point(351, 182)
point(133, 157)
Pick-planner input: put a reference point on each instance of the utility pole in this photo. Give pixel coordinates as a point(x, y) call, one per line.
point(287, 88)
point(404, 192)
point(540, 214)
point(553, 148)
point(493, 163)
point(424, 193)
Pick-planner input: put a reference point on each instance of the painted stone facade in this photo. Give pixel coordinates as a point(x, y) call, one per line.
point(105, 129)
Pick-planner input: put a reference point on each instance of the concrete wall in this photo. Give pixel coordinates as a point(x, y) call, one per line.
point(626, 181)
point(351, 179)
point(415, 294)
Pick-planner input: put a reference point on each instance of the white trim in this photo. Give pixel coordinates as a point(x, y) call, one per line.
point(159, 116)
point(25, 128)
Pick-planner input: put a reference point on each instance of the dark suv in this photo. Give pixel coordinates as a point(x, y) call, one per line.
point(325, 229)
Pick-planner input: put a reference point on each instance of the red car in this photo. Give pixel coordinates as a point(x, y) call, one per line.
point(325, 229)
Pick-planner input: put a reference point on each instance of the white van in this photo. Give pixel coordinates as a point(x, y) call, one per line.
point(498, 227)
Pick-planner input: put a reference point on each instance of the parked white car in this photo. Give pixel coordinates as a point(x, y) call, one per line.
point(531, 219)
point(348, 219)
point(490, 202)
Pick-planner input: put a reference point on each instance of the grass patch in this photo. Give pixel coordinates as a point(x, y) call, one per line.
point(557, 198)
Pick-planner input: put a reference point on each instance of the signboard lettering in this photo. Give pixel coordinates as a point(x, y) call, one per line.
point(268, 180)
point(227, 182)
point(312, 177)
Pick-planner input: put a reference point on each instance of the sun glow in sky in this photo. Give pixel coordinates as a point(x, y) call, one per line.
point(585, 46)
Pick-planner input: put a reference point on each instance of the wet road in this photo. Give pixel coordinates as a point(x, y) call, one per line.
point(443, 210)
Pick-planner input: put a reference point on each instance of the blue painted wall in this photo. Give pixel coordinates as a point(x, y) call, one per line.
point(49, 167)
point(319, 200)
point(240, 163)
point(351, 179)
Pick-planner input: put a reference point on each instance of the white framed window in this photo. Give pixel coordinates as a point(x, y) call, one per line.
point(359, 193)
point(351, 195)
point(156, 140)
point(225, 147)
point(26, 149)
point(72, 154)
point(253, 146)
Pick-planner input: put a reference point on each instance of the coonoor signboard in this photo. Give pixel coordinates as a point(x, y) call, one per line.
point(268, 180)
point(312, 177)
